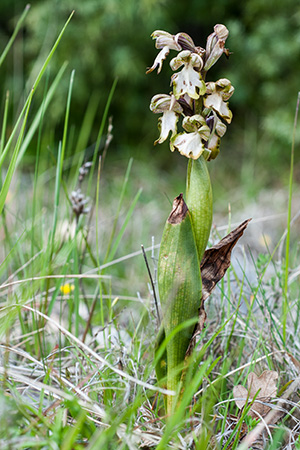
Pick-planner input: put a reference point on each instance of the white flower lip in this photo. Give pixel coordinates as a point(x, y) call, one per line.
point(188, 79)
point(188, 144)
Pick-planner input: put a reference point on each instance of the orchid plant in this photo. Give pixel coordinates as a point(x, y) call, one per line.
point(201, 108)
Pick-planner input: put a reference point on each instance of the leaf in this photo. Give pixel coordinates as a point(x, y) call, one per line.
point(263, 388)
point(216, 259)
point(272, 417)
point(179, 286)
point(214, 265)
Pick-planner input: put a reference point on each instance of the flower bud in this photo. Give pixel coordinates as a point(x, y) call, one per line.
point(215, 45)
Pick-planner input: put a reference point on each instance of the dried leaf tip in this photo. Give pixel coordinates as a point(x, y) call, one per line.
point(179, 211)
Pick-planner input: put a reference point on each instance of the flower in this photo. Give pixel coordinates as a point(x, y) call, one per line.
point(196, 123)
point(216, 96)
point(84, 170)
point(165, 41)
point(215, 45)
point(187, 43)
point(188, 144)
point(171, 110)
point(186, 81)
point(67, 288)
point(191, 144)
point(78, 201)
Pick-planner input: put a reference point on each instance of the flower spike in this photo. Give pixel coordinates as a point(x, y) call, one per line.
point(201, 106)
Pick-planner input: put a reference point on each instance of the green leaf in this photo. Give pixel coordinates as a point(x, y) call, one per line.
point(179, 283)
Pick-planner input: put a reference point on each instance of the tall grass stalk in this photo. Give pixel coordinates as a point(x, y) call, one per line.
point(66, 122)
point(38, 119)
point(15, 33)
point(97, 243)
point(121, 199)
point(4, 122)
point(100, 133)
point(8, 241)
point(285, 308)
point(13, 161)
point(83, 138)
point(36, 171)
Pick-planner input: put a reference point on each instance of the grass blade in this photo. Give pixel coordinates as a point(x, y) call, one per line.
point(15, 33)
point(13, 162)
point(287, 248)
point(38, 117)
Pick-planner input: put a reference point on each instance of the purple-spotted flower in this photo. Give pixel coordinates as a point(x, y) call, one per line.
point(188, 80)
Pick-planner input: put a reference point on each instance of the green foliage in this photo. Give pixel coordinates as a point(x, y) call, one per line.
point(251, 422)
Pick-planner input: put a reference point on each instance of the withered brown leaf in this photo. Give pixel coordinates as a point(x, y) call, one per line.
point(216, 259)
point(214, 265)
point(264, 385)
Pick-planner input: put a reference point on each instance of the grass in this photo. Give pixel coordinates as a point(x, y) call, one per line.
point(78, 320)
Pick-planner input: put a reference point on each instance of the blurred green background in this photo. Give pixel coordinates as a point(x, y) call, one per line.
point(110, 39)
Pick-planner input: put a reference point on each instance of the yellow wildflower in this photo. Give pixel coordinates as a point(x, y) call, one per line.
point(67, 288)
